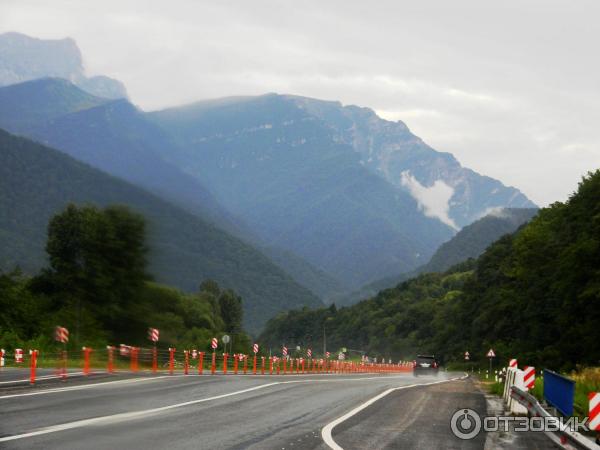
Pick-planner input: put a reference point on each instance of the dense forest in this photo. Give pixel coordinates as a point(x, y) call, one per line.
point(534, 295)
point(98, 287)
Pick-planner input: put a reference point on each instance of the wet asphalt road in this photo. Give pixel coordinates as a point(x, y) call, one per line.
point(236, 412)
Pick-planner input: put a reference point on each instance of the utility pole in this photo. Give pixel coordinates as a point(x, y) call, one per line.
point(324, 341)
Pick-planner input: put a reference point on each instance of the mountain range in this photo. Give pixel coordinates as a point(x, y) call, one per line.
point(37, 182)
point(24, 58)
point(332, 195)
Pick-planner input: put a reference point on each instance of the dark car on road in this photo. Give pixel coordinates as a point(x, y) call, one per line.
point(425, 364)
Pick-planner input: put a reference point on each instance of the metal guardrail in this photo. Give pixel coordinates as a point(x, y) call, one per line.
point(565, 438)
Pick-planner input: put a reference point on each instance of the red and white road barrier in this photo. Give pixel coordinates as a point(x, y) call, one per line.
point(18, 355)
point(513, 363)
point(594, 414)
point(214, 343)
point(529, 377)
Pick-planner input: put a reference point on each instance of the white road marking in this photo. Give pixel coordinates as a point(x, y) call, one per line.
point(327, 429)
point(143, 413)
point(103, 420)
point(42, 377)
point(83, 386)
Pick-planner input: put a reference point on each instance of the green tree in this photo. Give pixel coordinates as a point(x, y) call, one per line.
point(230, 305)
point(97, 266)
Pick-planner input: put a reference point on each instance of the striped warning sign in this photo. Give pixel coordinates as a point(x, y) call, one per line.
point(61, 334)
point(594, 415)
point(284, 351)
point(214, 343)
point(255, 348)
point(512, 363)
point(309, 353)
point(529, 377)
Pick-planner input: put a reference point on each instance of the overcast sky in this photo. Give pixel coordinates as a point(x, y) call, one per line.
point(511, 88)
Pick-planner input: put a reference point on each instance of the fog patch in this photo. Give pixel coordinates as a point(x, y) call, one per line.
point(434, 200)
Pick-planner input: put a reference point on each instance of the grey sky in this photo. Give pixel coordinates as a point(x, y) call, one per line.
point(511, 88)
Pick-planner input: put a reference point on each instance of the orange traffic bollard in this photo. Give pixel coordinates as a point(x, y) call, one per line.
point(235, 363)
point(109, 358)
point(86, 360)
point(245, 364)
point(33, 365)
point(154, 359)
point(284, 365)
point(134, 359)
point(254, 365)
point(171, 360)
point(200, 363)
point(270, 365)
point(213, 366)
point(186, 362)
point(225, 363)
point(262, 365)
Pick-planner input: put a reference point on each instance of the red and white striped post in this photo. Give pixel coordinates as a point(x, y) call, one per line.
point(214, 343)
point(529, 377)
point(33, 365)
point(255, 350)
point(594, 414)
point(513, 363)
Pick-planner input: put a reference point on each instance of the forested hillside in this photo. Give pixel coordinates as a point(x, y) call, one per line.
point(470, 242)
point(533, 295)
point(96, 284)
point(36, 182)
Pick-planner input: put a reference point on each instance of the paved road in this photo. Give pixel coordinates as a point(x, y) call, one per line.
point(237, 412)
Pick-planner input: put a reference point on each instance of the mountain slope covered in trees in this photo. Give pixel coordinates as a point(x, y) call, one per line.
point(36, 182)
point(534, 295)
point(470, 242)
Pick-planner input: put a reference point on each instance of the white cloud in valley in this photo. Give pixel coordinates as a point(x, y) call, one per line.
point(510, 88)
point(433, 200)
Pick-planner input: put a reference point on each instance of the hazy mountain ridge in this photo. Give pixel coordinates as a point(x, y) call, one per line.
point(24, 58)
point(36, 182)
point(281, 170)
point(390, 150)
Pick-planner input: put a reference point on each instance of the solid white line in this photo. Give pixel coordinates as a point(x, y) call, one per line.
point(103, 420)
point(327, 429)
point(42, 377)
point(84, 386)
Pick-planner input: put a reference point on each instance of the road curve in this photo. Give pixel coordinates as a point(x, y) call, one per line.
point(212, 412)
